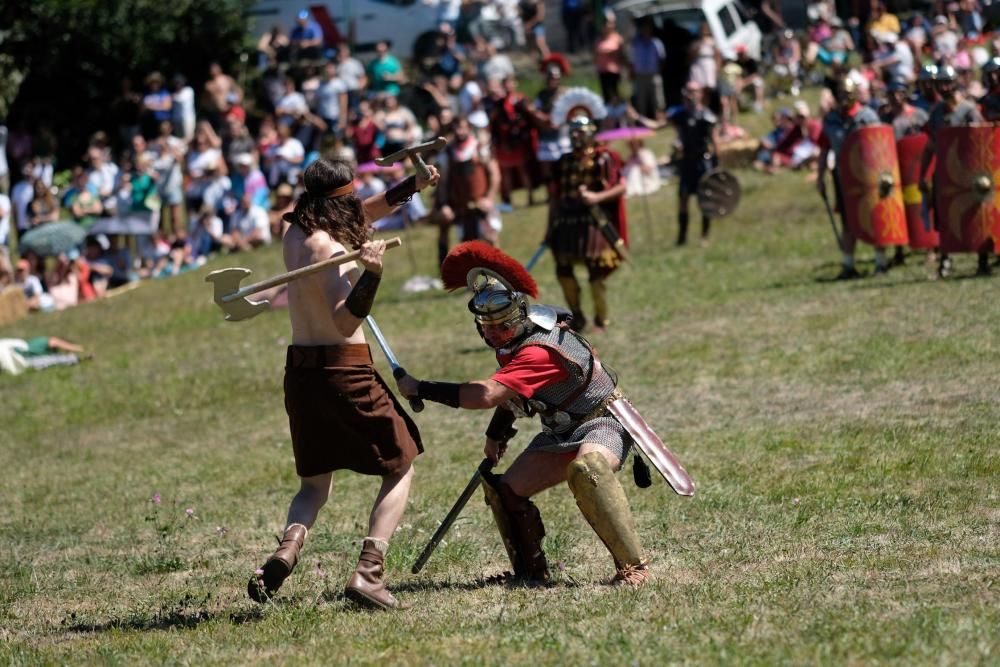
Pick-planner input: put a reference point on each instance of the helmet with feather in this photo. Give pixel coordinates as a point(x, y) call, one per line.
point(500, 288)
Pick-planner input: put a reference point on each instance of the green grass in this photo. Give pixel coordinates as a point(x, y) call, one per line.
point(842, 436)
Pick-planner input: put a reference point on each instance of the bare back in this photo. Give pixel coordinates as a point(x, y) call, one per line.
point(312, 300)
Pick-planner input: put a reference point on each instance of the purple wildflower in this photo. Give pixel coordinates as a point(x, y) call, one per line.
point(156, 498)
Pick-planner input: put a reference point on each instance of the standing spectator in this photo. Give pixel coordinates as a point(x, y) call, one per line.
point(291, 105)
point(4, 167)
point(27, 277)
point(497, 66)
point(306, 40)
point(470, 96)
point(103, 175)
point(970, 21)
point(352, 73)
point(648, 55)
point(125, 111)
point(238, 141)
point(511, 131)
point(609, 57)
point(705, 59)
point(157, 104)
point(532, 14)
point(399, 126)
point(167, 153)
point(310, 84)
point(363, 133)
point(385, 72)
point(452, 54)
point(332, 100)
point(21, 195)
point(945, 40)
point(572, 19)
point(284, 201)
point(917, 35)
point(881, 20)
point(206, 233)
point(182, 112)
point(898, 63)
point(222, 94)
point(273, 46)
point(4, 222)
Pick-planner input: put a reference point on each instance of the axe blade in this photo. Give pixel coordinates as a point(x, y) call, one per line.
point(226, 284)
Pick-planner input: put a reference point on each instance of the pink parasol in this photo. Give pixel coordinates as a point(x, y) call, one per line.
point(624, 133)
point(368, 167)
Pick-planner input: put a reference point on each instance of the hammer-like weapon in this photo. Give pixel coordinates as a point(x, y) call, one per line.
point(415, 154)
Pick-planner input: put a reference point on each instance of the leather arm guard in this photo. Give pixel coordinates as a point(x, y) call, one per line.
point(445, 393)
point(401, 192)
point(499, 428)
point(359, 301)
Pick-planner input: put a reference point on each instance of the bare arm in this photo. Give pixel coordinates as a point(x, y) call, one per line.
point(343, 288)
point(476, 395)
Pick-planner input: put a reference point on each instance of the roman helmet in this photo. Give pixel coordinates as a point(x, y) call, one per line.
point(501, 287)
point(580, 110)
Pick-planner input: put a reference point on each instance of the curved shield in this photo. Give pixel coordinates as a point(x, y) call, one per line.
point(718, 193)
point(967, 185)
point(919, 226)
point(869, 178)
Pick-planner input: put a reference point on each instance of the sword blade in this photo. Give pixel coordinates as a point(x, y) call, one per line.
point(537, 256)
point(382, 343)
point(456, 509)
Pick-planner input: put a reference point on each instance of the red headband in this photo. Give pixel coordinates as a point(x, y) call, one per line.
point(341, 191)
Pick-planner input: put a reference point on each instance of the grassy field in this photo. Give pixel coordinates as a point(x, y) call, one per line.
point(843, 438)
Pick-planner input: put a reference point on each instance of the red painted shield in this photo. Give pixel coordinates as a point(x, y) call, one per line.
point(919, 213)
point(967, 185)
point(870, 181)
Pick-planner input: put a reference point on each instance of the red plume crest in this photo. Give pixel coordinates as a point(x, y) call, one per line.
point(478, 255)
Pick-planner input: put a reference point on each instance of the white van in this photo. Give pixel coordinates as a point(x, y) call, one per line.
point(400, 22)
point(728, 20)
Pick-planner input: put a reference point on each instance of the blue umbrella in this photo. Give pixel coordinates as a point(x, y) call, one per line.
point(52, 238)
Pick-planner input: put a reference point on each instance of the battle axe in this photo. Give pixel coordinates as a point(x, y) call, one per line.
point(414, 153)
point(233, 300)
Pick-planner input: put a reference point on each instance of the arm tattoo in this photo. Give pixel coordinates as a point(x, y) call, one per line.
point(401, 192)
point(359, 301)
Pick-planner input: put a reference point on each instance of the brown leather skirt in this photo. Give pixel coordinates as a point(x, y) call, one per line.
point(342, 415)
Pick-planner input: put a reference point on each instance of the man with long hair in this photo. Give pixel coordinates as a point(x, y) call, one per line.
point(341, 413)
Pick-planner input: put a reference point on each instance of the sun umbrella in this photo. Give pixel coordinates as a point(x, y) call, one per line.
point(624, 133)
point(52, 238)
point(133, 224)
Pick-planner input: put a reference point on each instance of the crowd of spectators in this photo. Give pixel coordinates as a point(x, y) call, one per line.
point(213, 169)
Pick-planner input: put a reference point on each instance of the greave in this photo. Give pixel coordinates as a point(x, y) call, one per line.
point(571, 290)
point(521, 528)
point(682, 228)
point(599, 292)
point(602, 501)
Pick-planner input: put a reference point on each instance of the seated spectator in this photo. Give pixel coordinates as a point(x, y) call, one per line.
point(204, 164)
point(5, 216)
point(306, 39)
point(249, 226)
point(882, 21)
point(44, 206)
point(787, 58)
point(289, 155)
point(371, 184)
point(642, 177)
point(81, 199)
point(284, 202)
point(103, 176)
point(408, 214)
point(63, 281)
point(116, 258)
point(944, 40)
point(782, 123)
point(247, 178)
point(832, 50)
point(205, 233)
point(176, 261)
point(750, 79)
point(27, 278)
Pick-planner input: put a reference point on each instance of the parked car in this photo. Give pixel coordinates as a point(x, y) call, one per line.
point(402, 23)
point(728, 20)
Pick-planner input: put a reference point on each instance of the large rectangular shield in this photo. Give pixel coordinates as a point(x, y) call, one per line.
point(967, 187)
point(919, 225)
point(871, 185)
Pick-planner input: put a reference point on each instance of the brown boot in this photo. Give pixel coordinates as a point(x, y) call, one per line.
point(279, 566)
point(366, 586)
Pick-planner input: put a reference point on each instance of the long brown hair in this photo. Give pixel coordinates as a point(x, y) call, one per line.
point(342, 217)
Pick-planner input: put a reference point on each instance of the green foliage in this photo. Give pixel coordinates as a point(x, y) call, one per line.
point(73, 54)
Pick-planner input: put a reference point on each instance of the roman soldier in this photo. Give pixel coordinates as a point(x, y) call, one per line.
point(698, 136)
point(588, 427)
point(952, 110)
point(586, 207)
point(470, 182)
point(848, 116)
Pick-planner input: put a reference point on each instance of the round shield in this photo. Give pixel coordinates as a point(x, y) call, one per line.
point(718, 193)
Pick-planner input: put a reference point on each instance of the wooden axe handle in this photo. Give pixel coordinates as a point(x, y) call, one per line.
point(303, 272)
